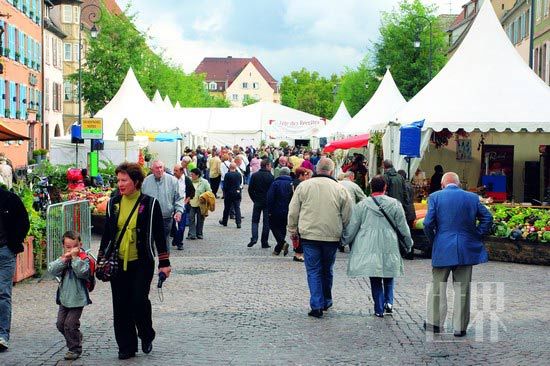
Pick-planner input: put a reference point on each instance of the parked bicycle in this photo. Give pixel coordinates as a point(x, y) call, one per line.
point(41, 187)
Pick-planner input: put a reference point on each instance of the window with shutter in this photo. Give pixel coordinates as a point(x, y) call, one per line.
point(47, 94)
point(76, 14)
point(68, 91)
point(75, 52)
point(67, 13)
point(23, 101)
point(68, 54)
point(13, 99)
point(2, 97)
point(12, 42)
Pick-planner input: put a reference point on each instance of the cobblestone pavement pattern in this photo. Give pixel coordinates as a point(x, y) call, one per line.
point(226, 304)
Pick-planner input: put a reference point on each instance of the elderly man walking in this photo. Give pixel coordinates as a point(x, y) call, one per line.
point(454, 224)
point(257, 190)
point(319, 211)
point(165, 188)
point(232, 194)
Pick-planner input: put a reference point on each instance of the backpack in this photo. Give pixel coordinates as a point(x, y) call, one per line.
point(90, 282)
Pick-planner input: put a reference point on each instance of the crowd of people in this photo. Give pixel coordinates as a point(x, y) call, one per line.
point(295, 194)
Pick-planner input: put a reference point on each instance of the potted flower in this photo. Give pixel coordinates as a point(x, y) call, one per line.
point(7, 113)
point(6, 52)
point(17, 56)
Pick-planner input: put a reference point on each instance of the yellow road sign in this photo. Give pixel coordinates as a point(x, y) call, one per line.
point(92, 128)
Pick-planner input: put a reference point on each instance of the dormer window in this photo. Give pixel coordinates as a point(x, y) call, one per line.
point(212, 85)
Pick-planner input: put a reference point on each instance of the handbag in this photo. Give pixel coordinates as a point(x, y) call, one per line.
point(107, 265)
point(400, 238)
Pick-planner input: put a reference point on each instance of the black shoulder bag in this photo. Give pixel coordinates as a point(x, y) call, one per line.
point(107, 265)
point(400, 238)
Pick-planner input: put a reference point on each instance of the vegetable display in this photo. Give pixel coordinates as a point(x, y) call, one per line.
point(98, 198)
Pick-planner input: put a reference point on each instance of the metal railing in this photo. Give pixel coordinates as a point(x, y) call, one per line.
point(65, 216)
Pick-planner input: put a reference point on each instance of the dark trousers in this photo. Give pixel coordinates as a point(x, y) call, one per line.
point(231, 204)
point(382, 293)
point(131, 305)
point(68, 323)
point(319, 257)
point(196, 222)
point(179, 228)
point(277, 224)
point(258, 210)
point(215, 184)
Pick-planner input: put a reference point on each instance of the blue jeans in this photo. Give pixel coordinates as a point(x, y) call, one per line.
point(319, 257)
point(381, 293)
point(7, 269)
point(258, 210)
point(180, 228)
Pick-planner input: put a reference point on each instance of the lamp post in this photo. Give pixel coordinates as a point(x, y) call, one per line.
point(93, 17)
point(417, 43)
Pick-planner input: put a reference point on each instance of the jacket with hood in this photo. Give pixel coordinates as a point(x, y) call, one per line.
point(375, 249)
point(395, 186)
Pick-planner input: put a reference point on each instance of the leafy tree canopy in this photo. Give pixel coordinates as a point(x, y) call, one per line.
point(119, 46)
point(409, 65)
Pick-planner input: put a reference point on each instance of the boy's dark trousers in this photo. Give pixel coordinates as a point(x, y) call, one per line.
point(68, 323)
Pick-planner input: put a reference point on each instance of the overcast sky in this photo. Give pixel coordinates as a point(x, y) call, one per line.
point(285, 35)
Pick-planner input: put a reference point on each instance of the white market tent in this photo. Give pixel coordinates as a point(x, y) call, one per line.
point(337, 124)
point(486, 86)
point(381, 108)
point(200, 126)
point(129, 102)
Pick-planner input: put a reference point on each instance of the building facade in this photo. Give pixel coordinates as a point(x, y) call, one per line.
point(517, 25)
point(238, 80)
point(541, 43)
point(21, 78)
point(53, 76)
point(459, 28)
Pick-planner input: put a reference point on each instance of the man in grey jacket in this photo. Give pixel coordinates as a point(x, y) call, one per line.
point(165, 188)
point(319, 211)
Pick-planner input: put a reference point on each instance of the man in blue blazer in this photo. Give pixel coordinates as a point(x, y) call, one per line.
point(454, 224)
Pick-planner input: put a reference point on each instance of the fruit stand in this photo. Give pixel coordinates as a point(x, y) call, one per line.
point(520, 234)
point(98, 198)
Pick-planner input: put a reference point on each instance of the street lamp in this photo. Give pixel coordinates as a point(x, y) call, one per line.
point(93, 17)
point(417, 43)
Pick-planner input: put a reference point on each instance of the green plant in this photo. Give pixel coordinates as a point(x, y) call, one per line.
point(6, 52)
point(283, 144)
point(7, 113)
point(57, 174)
point(32, 161)
point(37, 223)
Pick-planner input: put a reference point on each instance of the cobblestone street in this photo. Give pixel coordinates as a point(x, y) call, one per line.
point(226, 304)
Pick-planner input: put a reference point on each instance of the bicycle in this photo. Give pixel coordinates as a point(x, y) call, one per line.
point(41, 194)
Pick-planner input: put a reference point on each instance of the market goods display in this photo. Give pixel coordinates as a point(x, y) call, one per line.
point(98, 198)
point(521, 223)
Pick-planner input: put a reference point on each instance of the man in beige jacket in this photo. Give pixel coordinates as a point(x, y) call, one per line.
point(319, 211)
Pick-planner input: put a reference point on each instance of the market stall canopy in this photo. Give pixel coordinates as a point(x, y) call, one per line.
point(130, 102)
point(381, 108)
point(485, 85)
point(354, 142)
point(8, 135)
point(168, 137)
point(337, 123)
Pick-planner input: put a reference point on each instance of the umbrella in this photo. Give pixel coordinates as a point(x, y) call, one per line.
point(168, 137)
point(349, 143)
point(8, 135)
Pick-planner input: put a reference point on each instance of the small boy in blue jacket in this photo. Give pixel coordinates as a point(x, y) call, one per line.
point(72, 294)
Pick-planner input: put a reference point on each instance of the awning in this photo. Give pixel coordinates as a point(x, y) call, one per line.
point(168, 137)
point(8, 135)
point(354, 142)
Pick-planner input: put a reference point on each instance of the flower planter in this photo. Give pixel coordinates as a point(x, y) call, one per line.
point(24, 263)
point(500, 249)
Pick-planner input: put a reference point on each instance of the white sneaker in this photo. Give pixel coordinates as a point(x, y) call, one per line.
point(388, 308)
point(3, 344)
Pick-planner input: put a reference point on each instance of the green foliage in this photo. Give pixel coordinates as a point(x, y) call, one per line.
point(37, 223)
point(119, 46)
point(283, 144)
point(409, 65)
point(309, 92)
point(57, 174)
point(357, 86)
point(248, 100)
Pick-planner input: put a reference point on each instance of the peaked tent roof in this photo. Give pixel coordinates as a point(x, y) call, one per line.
point(485, 85)
point(337, 123)
point(168, 102)
point(157, 99)
point(129, 102)
point(381, 108)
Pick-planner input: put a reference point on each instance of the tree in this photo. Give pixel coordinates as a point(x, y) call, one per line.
point(409, 65)
point(119, 46)
point(248, 100)
point(357, 86)
point(309, 92)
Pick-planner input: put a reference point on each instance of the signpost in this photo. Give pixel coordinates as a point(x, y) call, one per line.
point(125, 133)
point(92, 129)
